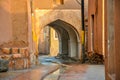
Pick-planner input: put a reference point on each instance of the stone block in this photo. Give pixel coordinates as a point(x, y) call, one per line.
point(4, 65)
point(19, 64)
point(27, 54)
point(11, 64)
point(6, 50)
point(26, 63)
point(15, 56)
point(14, 50)
point(5, 57)
point(24, 52)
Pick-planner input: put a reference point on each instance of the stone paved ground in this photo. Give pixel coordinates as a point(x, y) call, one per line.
point(83, 72)
point(37, 73)
point(71, 72)
point(77, 72)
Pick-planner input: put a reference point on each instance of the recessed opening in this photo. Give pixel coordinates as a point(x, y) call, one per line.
point(92, 32)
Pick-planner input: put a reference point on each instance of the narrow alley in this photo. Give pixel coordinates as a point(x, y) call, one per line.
point(59, 40)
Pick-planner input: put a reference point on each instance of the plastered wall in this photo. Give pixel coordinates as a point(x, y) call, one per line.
point(95, 26)
point(5, 21)
point(13, 23)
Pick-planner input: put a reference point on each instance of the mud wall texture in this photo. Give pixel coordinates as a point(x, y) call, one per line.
point(54, 43)
point(55, 4)
point(117, 38)
point(95, 26)
point(112, 39)
point(5, 21)
point(13, 23)
point(50, 4)
point(51, 10)
point(45, 17)
point(19, 20)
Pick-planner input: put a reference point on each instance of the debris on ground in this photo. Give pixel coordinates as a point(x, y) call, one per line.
point(95, 58)
point(64, 58)
point(61, 64)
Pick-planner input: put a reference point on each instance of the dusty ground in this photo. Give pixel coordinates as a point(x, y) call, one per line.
point(71, 72)
point(77, 72)
point(83, 72)
point(36, 73)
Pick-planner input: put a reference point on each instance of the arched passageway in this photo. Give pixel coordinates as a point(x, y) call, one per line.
point(68, 38)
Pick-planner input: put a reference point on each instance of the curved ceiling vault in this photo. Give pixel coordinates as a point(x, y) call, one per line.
point(68, 39)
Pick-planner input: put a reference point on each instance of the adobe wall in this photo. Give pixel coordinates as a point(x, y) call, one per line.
point(19, 20)
point(46, 16)
point(95, 8)
point(5, 21)
point(112, 39)
point(117, 37)
point(50, 4)
point(54, 43)
point(47, 12)
point(13, 23)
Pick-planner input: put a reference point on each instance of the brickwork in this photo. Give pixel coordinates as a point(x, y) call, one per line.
point(19, 58)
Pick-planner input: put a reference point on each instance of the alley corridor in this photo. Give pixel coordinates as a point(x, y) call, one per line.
point(59, 40)
point(47, 70)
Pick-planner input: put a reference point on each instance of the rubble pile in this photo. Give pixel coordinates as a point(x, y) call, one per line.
point(64, 58)
point(95, 58)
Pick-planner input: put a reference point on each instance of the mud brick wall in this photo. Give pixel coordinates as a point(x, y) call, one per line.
point(19, 58)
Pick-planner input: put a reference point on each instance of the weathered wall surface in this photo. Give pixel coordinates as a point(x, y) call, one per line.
point(13, 23)
point(5, 21)
point(54, 43)
point(110, 35)
point(47, 11)
point(112, 39)
point(117, 38)
point(54, 4)
point(86, 8)
point(19, 20)
point(45, 17)
point(95, 28)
